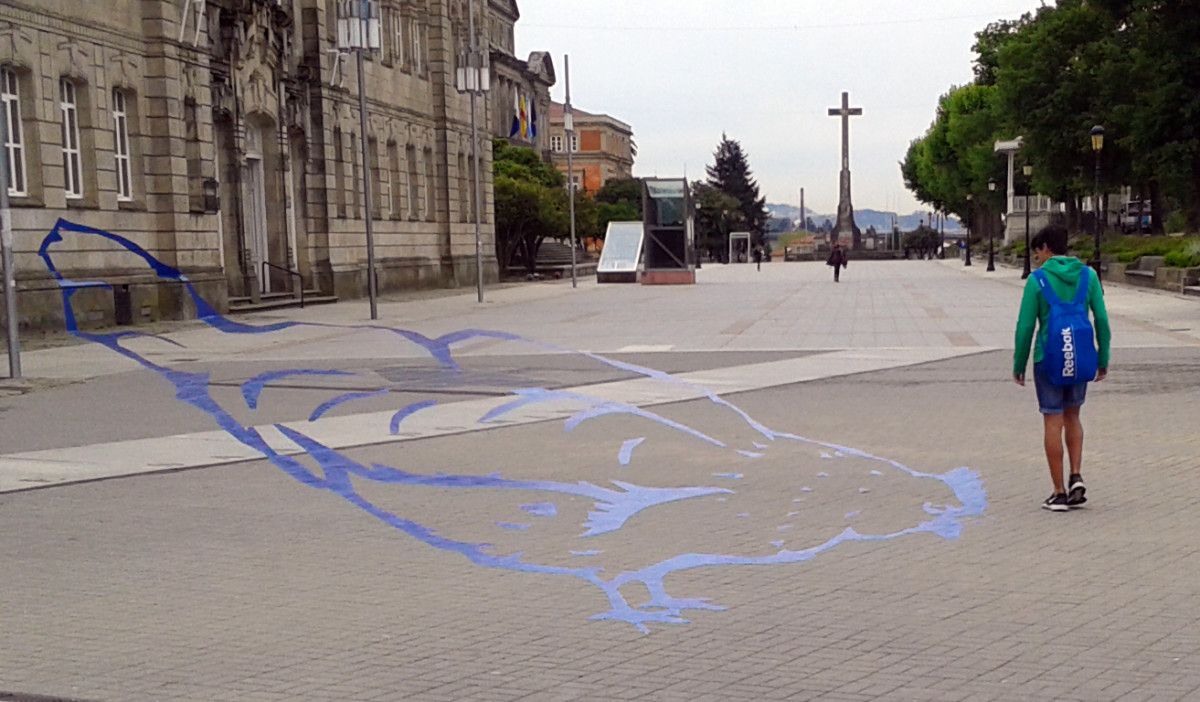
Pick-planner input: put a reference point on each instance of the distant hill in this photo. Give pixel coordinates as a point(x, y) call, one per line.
point(882, 221)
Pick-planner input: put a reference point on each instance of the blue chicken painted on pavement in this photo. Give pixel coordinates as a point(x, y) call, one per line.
point(741, 509)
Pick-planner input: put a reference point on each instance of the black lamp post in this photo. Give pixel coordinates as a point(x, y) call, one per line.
point(1027, 169)
point(942, 232)
point(970, 212)
point(1097, 147)
point(991, 236)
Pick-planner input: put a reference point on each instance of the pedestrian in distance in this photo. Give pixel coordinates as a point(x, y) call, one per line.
point(758, 257)
point(1070, 351)
point(837, 259)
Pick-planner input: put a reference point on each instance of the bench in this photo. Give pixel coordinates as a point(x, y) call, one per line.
point(1143, 270)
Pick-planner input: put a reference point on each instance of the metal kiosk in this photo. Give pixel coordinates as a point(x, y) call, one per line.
point(670, 251)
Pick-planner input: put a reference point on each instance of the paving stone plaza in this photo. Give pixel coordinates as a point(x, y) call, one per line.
point(763, 486)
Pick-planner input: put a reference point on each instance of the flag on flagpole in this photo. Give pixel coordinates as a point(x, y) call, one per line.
point(524, 113)
point(516, 121)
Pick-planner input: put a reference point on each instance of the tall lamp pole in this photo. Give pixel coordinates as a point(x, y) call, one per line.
point(6, 254)
point(991, 267)
point(569, 128)
point(970, 219)
point(1097, 134)
point(358, 31)
point(474, 78)
point(1027, 169)
point(942, 233)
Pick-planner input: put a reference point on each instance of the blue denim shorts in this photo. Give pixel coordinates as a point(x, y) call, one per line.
point(1053, 399)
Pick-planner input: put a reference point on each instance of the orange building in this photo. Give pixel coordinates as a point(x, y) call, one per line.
point(604, 147)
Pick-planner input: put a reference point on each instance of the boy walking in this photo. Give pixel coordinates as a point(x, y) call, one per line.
point(1057, 299)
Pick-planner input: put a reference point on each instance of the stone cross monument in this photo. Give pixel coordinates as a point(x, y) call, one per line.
point(845, 227)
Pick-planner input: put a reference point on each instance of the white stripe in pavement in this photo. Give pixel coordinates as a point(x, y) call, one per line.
point(22, 471)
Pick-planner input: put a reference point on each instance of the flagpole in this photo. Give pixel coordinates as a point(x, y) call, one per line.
point(569, 122)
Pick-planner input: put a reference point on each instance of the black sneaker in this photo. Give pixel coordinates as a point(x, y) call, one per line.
point(1056, 502)
point(1076, 491)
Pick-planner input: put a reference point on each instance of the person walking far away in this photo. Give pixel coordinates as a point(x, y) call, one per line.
point(758, 257)
point(837, 259)
point(1069, 353)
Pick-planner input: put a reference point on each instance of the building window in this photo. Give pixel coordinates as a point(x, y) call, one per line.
point(556, 143)
point(355, 212)
point(430, 187)
point(464, 187)
point(14, 142)
point(394, 194)
point(376, 179)
point(414, 200)
point(120, 113)
point(404, 41)
point(71, 152)
point(575, 143)
point(386, 36)
point(339, 173)
point(418, 48)
point(195, 175)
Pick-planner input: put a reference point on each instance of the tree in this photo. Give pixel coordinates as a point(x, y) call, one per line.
point(587, 217)
point(531, 204)
point(955, 157)
point(730, 174)
point(717, 214)
point(619, 200)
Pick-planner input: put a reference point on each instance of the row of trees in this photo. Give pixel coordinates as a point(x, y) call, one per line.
point(532, 205)
point(1132, 66)
point(729, 200)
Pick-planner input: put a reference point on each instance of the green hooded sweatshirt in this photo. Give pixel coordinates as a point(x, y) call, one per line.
point(1063, 273)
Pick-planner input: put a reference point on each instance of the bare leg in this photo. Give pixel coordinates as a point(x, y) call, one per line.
point(1073, 428)
point(1054, 449)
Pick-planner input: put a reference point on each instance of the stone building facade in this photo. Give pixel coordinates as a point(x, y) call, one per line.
point(520, 95)
point(223, 137)
point(603, 147)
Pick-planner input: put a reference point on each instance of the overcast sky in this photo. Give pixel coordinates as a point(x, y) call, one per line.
point(681, 72)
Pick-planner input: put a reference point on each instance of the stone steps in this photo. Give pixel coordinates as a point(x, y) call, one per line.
point(278, 301)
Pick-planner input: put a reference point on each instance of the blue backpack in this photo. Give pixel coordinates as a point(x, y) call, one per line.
point(1070, 355)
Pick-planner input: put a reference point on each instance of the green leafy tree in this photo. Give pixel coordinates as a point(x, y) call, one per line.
point(717, 214)
point(955, 158)
point(587, 217)
point(619, 200)
point(531, 204)
point(730, 174)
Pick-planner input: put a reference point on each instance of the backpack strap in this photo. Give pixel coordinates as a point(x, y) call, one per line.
point(1047, 290)
point(1081, 293)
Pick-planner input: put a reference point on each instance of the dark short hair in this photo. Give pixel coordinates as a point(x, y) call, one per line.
point(1052, 235)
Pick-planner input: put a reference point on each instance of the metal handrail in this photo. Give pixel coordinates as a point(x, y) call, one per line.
point(282, 269)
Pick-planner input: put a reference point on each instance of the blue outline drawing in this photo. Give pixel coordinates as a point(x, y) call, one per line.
point(613, 506)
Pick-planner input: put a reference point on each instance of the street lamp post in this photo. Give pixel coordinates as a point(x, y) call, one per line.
point(1097, 134)
point(991, 235)
point(6, 254)
point(942, 235)
point(1027, 169)
point(970, 219)
point(569, 128)
point(474, 78)
point(358, 31)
